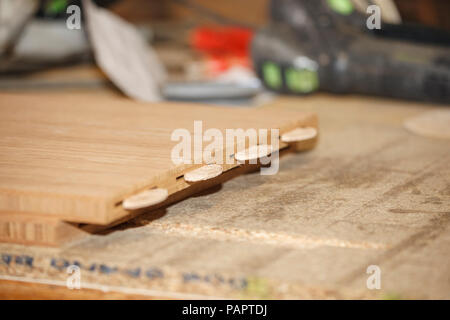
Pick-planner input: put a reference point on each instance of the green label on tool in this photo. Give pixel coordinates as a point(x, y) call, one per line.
point(344, 7)
point(272, 75)
point(54, 7)
point(302, 81)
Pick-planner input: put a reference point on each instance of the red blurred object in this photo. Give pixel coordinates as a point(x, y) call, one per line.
point(223, 47)
point(222, 40)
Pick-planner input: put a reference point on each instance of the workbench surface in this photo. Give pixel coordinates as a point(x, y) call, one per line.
point(371, 193)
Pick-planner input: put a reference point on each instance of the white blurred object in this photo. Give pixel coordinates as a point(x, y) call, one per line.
point(239, 75)
point(389, 10)
point(123, 54)
point(60, 42)
point(14, 15)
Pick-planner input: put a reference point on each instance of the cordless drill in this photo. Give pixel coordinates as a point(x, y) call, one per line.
point(308, 47)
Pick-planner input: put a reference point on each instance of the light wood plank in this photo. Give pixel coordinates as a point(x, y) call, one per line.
point(75, 158)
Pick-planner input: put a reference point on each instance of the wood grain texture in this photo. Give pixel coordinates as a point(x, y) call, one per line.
point(77, 157)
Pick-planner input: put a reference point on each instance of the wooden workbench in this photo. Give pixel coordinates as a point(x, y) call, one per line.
point(371, 193)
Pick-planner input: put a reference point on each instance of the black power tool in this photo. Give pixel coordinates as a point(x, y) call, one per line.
point(345, 12)
point(308, 48)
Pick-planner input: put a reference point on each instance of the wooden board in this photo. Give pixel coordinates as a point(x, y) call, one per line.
point(75, 158)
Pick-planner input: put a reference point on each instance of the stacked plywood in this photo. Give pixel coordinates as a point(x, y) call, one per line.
point(69, 164)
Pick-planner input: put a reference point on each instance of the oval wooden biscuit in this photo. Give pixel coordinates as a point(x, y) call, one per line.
point(299, 134)
point(254, 153)
point(204, 173)
point(145, 199)
point(433, 124)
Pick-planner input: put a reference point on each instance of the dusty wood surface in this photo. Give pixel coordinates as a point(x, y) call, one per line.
point(371, 193)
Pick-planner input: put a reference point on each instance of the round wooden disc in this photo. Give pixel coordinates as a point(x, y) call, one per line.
point(253, 153)
point(204, 173)
point(299, 134)
point(433, 124)
point(145, 199)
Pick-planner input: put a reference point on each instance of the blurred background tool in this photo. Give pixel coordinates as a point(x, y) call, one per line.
point(353, 13)
point(14, 15)
point(205, 48)
point(56, 9)
point(34, 36)
point(308, 48)
point(227, 68)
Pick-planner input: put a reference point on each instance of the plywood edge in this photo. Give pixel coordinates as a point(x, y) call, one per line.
point(28, 229)
point(80, 209)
